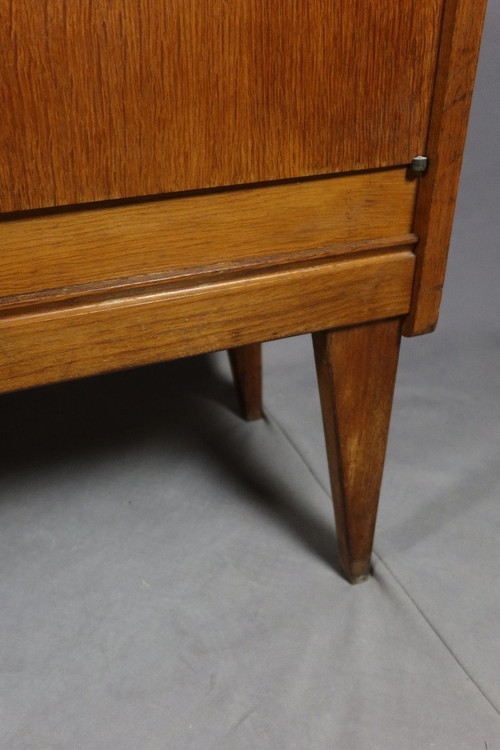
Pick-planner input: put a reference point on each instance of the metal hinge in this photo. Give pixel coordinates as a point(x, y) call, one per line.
point(419, 164)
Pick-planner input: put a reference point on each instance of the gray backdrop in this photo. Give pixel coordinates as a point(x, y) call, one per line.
point(168, 573)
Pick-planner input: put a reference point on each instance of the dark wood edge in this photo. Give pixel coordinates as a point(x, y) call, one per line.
point(435, 207)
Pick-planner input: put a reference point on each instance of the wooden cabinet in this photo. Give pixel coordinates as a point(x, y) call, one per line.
point(191, 175)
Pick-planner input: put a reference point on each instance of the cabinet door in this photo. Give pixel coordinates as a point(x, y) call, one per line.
point(118, 98)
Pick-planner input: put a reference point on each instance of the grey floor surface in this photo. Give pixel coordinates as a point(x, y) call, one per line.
point(168, 572)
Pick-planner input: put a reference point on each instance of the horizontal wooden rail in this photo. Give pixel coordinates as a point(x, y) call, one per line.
point(117, 245)
point(48, 346)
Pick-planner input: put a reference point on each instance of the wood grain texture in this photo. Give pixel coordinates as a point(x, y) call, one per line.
point(246, 366)
point(459, 50)
point(356, 370)
point(68, 343)
point(175, 236)
point(114, 98)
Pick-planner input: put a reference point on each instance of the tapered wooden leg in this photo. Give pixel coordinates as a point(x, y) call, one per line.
point(246, 364)
point(356, 370)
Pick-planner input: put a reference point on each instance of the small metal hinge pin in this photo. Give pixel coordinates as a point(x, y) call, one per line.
point(419, 164)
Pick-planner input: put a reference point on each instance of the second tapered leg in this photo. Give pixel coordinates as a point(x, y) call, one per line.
point(246, 365)
point(356, 370)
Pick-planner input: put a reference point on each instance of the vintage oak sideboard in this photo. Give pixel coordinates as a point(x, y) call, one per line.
point(183, 176)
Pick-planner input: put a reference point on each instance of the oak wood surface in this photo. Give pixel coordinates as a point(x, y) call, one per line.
point(459, 49)
point(61, 344)
point(180, 235)
point(116, 98)
point(246, 366)
point(356, 370)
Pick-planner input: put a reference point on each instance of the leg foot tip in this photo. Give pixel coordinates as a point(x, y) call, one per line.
point(359, 576)
point(354, 580)
point(252, 415)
